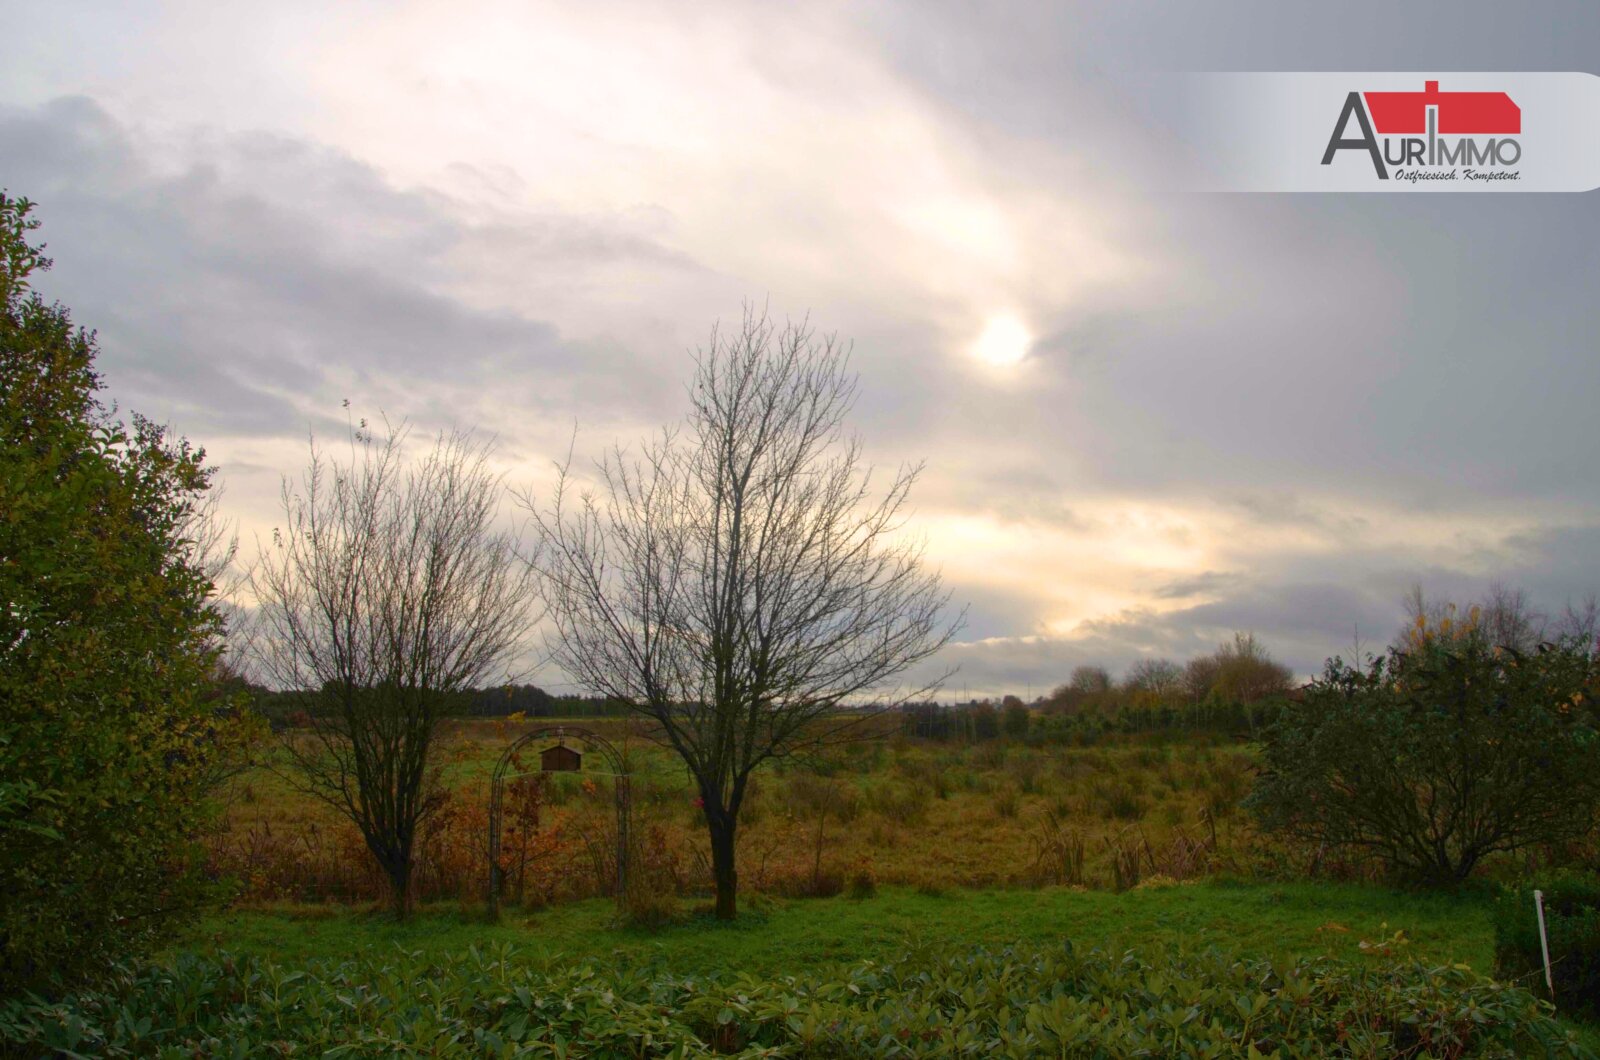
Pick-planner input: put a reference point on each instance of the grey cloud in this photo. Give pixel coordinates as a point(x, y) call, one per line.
point(227, 290)
point(1205, 582)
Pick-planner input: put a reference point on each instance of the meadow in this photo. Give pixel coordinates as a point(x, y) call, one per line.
point(891, 811)
point(1205, 969)
point(901, 897)
point(775, 936)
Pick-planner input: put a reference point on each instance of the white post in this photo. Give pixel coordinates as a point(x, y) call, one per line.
point(1544, 943)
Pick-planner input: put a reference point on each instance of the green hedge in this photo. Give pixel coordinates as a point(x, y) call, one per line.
point(1058, 1002)
point(1572, 922)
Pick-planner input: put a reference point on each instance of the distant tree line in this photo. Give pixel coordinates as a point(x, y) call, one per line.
point(1236, 689)
point(495, 702)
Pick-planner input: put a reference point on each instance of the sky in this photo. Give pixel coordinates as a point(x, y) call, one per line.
point(1150, 416)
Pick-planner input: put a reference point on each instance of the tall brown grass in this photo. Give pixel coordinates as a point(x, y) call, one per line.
point(901, 812)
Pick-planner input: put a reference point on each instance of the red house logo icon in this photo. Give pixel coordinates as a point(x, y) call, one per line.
point(1460, 113)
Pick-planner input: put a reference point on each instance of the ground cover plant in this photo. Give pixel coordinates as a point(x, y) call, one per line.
point(1059, 1000)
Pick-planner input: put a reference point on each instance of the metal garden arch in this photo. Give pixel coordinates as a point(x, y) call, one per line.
point(560, 757)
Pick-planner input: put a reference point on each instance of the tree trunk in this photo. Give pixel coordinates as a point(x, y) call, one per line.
point(396, 865)
point(400, 886)
point(816, 866)
point(722, 868)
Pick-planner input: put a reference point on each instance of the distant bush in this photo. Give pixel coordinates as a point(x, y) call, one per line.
point(1226, 784)
point(1059, 851)
point(651, 909)
point(897, 803)
point(1014, 718)
point(1119, 797)
point(1007, 800)
point(1434, 759)
point(1572, 924)
point(863, 882)
point(1058, 1002)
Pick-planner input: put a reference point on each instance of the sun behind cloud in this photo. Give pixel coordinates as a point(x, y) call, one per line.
point(1005, 341)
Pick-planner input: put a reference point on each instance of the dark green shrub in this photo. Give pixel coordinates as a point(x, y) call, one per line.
point(1572, 924)
point(1119, 797)
point(1432, 760)
point(115, 719)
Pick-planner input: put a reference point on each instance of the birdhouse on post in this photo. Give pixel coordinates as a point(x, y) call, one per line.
point(560, 759)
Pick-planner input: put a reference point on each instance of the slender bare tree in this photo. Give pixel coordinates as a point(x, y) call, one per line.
point(1161, 680)
point(738, 582)
point(1504, 616)
point(1580, 622)
point(387, 593)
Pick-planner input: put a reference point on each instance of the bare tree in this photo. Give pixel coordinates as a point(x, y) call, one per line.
point(738, 582)
point(1090, 680)
point(387, 593)
point(1505, 618)
point(1246, 671)
point(1200, 677)
point(1580, 622)
point(1089, 688)
point(1247, 674)
point(1159, 679)
point(1510, 619)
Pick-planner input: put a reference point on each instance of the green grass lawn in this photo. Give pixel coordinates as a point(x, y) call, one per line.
point(785, 936)
point(811, 937)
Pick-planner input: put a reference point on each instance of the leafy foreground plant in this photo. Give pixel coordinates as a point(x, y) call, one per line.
point(1057, 1002)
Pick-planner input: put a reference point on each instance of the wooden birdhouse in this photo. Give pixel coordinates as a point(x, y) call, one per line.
point(560, 759)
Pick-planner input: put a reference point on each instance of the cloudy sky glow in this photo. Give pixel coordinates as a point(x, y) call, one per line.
point(1150, 417)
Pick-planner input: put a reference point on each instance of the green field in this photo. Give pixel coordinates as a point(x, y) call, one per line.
point(777, 936)
point(964, 848)
point(1216, 968)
